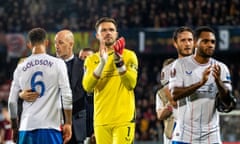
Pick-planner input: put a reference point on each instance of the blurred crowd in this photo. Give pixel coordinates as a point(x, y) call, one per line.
point(81, 15)
point(20, 16)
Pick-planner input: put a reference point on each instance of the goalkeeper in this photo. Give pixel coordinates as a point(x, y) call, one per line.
point(111, 74)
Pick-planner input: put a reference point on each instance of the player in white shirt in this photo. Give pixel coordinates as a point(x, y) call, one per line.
point(195, 82)
point(41, 120)
point(165, 106)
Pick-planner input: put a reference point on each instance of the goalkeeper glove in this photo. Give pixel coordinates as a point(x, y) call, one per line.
point(119, 46)
point(118, 50)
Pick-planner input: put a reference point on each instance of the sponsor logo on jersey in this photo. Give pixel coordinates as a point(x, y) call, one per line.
point(188, 72)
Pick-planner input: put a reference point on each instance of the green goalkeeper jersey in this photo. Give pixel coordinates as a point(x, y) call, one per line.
point(114, 100)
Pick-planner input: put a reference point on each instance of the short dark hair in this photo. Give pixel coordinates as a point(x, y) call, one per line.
point(37, 35)
point(105, 19)
point(88, 49)
point(201, 29)
point(180, 30)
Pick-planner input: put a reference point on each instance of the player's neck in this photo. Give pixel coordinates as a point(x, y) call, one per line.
point(38, 49)
point(201, 60)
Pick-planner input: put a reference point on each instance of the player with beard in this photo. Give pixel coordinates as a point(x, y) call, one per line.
point(41, 119)
point(111, 74)
point(165, 105)
point(195, 82)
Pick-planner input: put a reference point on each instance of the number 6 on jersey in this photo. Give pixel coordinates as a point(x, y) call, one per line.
point(35, 83)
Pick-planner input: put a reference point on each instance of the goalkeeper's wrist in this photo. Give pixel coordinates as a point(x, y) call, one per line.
point(119, 63)
point(120, 66)
point(117, 57)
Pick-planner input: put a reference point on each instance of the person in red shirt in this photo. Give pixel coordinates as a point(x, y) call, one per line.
point(5, 126)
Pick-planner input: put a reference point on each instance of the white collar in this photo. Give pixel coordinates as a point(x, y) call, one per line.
point(70, 58)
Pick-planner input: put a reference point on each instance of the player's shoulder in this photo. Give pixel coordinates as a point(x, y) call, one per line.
point(93, 56)
point(53, 57)
point(186, 59)
point(129, 51)
point(21, 60)
point(215, 61)
point(56, 60)
point(24, 60)
point(129, 54)
point(221, 64)
point(166, 68)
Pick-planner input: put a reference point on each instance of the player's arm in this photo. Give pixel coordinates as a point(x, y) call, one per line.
point(169, 97)
point(223, 84)
point(13, 105)
point(165, 83)
point(222, 89)
point(89, 79)
point(2, 133)
point(127, 69)
point(163, 107)
point(67, 126)
point(28, 95)
point(163, 112)
point(129, 76)
point(92, 75)
point(66, 94)
point(182, 92)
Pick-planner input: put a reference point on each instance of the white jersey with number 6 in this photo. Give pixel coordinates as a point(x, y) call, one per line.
point(48, 76)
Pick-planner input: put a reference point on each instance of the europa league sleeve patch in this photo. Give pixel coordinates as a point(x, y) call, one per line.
point(173, 72)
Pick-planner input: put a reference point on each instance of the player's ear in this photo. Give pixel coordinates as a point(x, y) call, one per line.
point(71, 44)
point(175, 44)
point(29, 45)
point(97, 36)
point(46, 43)
point(195, 43)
